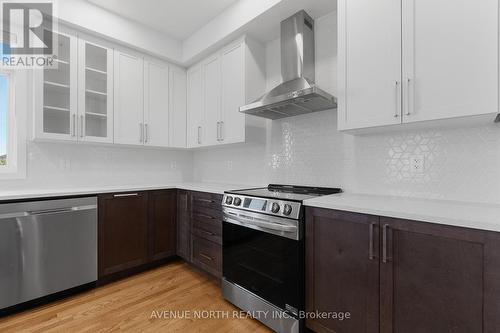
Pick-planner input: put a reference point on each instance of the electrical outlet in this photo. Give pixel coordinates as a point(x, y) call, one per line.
point(173, 165)
point(417, 164)
point(230, 165)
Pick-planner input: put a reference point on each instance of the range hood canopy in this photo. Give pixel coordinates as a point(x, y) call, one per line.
point(298, 94)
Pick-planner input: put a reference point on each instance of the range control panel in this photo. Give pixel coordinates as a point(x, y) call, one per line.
point(288, 209)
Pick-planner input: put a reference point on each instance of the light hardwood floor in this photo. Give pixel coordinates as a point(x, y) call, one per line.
point(128, 306)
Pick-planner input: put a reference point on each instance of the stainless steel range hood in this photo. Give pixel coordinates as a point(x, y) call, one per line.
point(298, 93)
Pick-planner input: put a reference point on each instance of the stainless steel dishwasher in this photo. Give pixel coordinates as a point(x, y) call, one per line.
point(45, 247)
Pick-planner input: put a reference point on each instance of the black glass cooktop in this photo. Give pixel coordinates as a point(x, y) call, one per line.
point(287, 192)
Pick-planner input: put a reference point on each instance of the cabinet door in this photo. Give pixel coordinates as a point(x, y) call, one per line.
point(437, 278)
point(212, 100)
point(156, 103)
point(232, 126)
point(56, 94)
point(162, 224)
point(184, 224)
point(369, 63)
point(177, 115)
point(450, 58)
point(123, 232)
point(95, 96)
point(195, 107)
point(129, 99)
point(342, 270)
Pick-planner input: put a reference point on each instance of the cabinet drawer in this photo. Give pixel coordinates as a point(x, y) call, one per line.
point(207, 255)
point(207, 223)
point(206, 200)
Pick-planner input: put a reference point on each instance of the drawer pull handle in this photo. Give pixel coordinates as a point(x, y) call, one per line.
point(126, 195)
point(206, 257)
point(205, 216)
point(204, 200)
point(207, 232)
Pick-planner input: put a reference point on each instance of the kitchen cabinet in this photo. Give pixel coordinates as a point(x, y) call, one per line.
point(400, 276)
point(56, 95)
point(123, 232)
point(95, 92)
point(135, 229)
point(129, 99)
point(162, 224)
point(341, 272)
point(217, 87)
point(195, 107)
point(184, 224)
point(177, 110)
point(156, 104)
point(399, 81)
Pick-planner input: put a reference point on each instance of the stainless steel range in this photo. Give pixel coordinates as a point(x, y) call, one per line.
point(263, 252)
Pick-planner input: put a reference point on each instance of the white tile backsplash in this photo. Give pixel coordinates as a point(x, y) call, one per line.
point(65, 165)
point(459, 164)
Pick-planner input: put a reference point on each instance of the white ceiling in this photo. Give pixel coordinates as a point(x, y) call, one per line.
point(176, 18)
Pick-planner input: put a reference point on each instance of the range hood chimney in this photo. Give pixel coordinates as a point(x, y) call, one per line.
point(298, 94)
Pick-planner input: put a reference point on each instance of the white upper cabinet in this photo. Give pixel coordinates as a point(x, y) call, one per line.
point(369, 63)
point(406, 61)
point(129, 99)
point(55, 94)
point(195, 106)
point(212, 100)
point(177, 110)
point(217, 87)
point(450, 58)
point(232, 122)
point(95, 92)
point(156, 104)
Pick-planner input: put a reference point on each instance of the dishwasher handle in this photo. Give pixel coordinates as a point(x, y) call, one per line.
point(47, 211)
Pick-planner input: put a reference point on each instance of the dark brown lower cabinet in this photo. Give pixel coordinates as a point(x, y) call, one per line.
point(162, 224)
point(123, 232)
point(342, 275)
point(135, 229)
point(184, 224)
point(429, 277)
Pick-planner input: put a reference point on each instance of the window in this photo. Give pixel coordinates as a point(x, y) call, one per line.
point(13, 123)
point(4, 119)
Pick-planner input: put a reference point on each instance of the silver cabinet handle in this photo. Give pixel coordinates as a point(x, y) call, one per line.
point(73, 125)
point(206, 257)
point(199, 135)
point(82, 127)
point(218, 131)
point(221, 131)
point(371, 255)
point(146, 133)
point(141, 134)
point(384, 243)
point(396, 113)
point(408, 82)
point(125, 195)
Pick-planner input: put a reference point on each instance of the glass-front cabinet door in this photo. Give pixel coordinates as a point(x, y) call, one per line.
point(95, 89)
point(56, 93)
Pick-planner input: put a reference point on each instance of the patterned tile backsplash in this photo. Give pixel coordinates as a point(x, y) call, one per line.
point(457, 163)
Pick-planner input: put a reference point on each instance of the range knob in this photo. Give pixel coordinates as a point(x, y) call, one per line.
point(287, 210)
point(229, 200)
point(237, 201)
point(275, 207)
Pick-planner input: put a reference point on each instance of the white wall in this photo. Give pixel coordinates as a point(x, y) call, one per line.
point(460, 164)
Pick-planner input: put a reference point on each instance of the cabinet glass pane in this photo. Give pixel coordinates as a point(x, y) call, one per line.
point(56, 91)
point(96, 98)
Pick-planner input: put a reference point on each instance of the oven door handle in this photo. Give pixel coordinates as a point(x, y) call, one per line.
point(272, 227)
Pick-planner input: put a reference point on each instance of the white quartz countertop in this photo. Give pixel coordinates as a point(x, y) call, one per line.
point(455, 213)
point(62, 192)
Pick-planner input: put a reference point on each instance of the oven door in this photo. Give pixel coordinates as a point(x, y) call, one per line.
point(265, 255)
